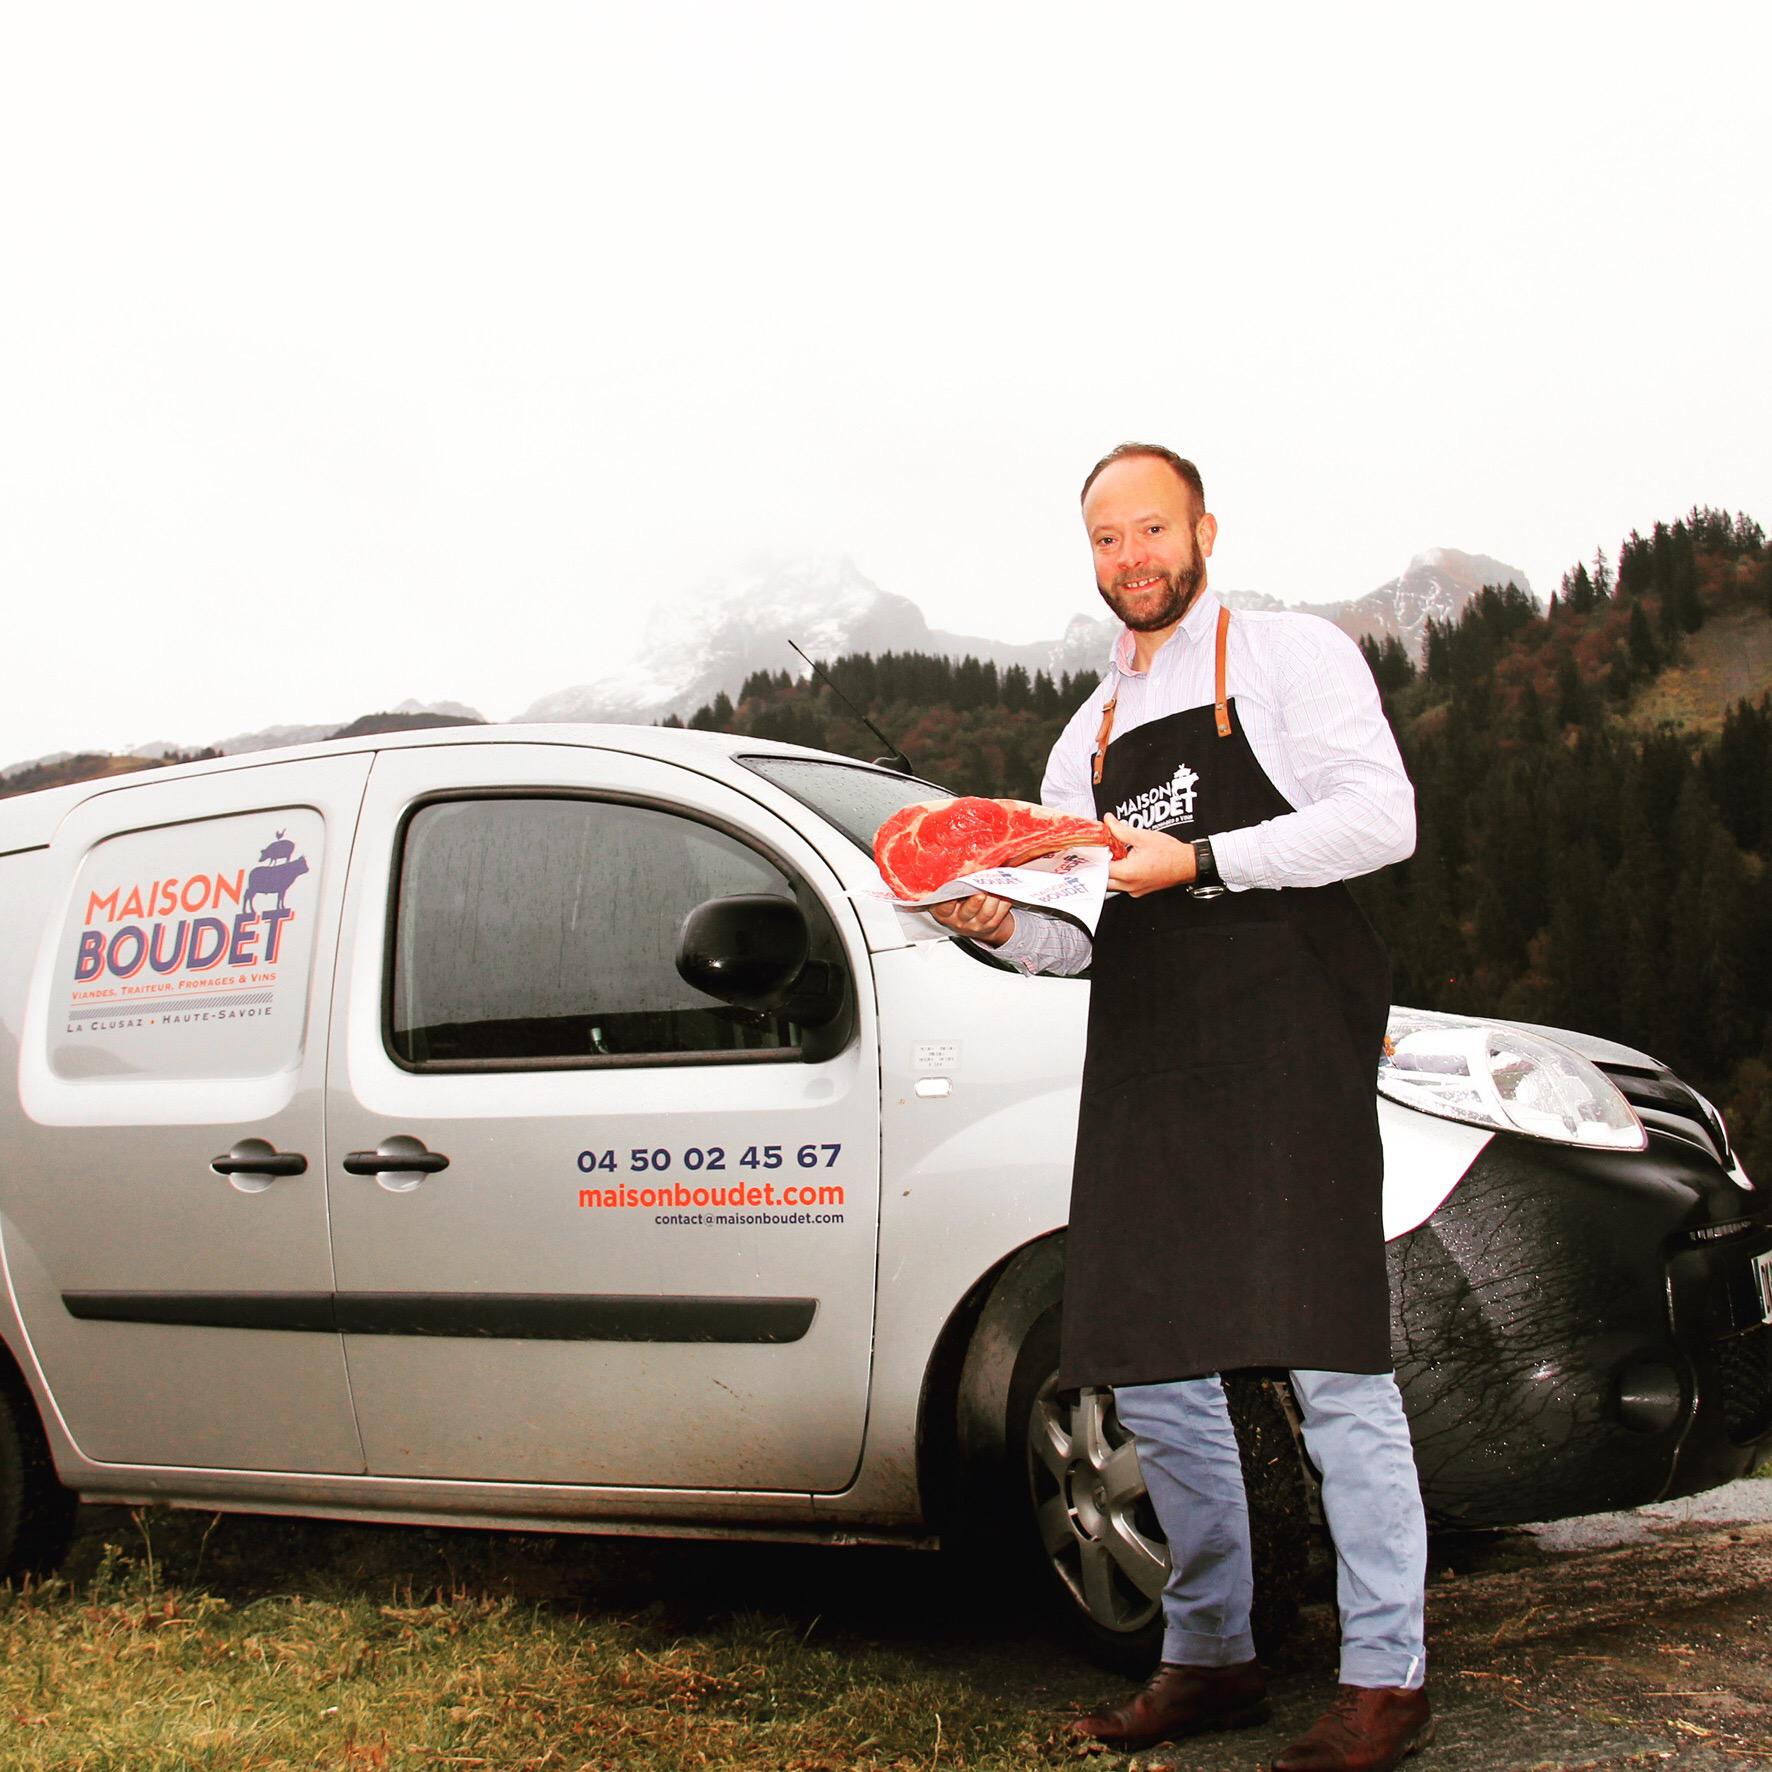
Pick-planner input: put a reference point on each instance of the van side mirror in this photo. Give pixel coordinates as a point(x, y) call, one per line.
point(752, 951)
point(748, 950)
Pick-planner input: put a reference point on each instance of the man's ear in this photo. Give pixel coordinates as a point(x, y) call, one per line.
point(1205, 534)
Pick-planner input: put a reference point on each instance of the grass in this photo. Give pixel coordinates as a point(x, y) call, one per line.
point(181, 1641)
point(1727, 660)
point(176, 1641)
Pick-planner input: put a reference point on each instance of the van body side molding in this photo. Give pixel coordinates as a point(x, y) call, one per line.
point(568, 1316)
point(501, 1316)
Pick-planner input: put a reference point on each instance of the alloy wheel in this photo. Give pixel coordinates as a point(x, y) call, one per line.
point(1094, 1518)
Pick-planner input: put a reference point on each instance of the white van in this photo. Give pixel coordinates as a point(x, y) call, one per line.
point(558, 1127)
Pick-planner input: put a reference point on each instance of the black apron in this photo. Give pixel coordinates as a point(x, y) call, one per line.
point(1226, 1200)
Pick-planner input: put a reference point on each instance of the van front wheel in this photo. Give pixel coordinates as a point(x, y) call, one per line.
point(1090, 1527)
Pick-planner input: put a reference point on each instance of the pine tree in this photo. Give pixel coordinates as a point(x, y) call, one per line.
point(1531, 716)
point(1602, 577)
point(1739, 772)
point(1571, 696)
point(1636, 957)
point(1438, 653)
point(1645, 655)
point(1578, 591)
point(1432, 948)
point(1583, 982)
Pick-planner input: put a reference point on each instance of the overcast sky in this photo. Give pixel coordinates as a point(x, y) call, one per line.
point(361, 352)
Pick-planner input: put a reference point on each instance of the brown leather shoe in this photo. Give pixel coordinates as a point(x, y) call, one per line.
point(1366, 1729)
point(1180, 1700)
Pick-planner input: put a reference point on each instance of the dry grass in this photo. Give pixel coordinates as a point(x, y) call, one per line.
point(1729, 659)
point(251, 1645)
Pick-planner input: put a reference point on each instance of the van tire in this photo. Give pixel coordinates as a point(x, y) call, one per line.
point(1112, 1617)
point(36, 1511)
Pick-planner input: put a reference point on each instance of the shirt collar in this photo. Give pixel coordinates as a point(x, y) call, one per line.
point(1195, 626)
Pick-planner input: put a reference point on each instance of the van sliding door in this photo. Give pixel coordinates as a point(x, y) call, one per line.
point(166, 1200)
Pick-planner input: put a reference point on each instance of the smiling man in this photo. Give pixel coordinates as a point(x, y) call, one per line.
point(1225, 1206)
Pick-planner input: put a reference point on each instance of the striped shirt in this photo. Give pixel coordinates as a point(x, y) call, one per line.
point(1307, 703)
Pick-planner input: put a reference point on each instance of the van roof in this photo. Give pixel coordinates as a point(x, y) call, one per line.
point(30, 821)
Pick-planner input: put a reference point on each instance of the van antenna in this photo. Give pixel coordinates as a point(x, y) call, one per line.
point(897, 760)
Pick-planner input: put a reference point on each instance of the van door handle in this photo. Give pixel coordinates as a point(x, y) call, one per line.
point(244, 1159)
point(399, 1155)
point(252, 1165)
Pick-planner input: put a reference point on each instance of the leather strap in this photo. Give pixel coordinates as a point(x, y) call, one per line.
point(1103, 736)
point(1221, 713)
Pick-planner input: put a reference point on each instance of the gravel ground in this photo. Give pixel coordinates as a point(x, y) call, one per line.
point(1639, 1639)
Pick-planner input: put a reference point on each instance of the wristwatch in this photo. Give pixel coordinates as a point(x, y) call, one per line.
point(1206, 883)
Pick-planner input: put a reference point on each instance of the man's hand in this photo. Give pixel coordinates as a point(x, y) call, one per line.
point(978, 918)
point(1153, 860)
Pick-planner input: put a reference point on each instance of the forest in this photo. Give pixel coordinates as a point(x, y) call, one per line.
point(1575, 863)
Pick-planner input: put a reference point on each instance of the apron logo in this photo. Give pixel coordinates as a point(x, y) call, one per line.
point(1159, 807)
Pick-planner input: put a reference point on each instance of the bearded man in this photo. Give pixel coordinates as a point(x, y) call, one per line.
point(1225, 1206)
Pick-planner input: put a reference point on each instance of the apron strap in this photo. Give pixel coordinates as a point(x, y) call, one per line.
point(1220, 712)
point(1103, 737)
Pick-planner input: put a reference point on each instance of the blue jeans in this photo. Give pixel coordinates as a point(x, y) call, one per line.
point(1355, 1431)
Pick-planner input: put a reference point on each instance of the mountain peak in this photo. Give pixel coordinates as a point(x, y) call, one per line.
point(711, 638)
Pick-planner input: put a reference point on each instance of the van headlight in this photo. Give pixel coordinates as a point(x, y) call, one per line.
point(1491, 1075)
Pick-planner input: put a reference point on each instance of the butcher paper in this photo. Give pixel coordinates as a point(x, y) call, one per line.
point(1072, 882)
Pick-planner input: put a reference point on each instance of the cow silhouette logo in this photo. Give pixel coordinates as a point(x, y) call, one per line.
point(279, 868)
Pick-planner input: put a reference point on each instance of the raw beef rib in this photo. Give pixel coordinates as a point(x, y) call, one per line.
point(921, 848)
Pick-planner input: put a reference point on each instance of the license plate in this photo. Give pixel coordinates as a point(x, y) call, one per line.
point(1763, 1275)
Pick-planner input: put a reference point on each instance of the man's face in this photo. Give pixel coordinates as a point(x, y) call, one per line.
point(1149, 544)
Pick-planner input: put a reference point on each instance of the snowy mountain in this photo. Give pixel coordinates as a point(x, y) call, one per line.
point(1436, 584)
point(713, 638)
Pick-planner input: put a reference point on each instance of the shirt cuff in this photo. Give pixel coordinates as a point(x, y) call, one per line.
point(1239, 858)
point(1042, 942)
point(1022, 949)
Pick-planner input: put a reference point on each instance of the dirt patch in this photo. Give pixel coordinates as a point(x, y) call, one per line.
point(1728, 660)
point(1651, 1653)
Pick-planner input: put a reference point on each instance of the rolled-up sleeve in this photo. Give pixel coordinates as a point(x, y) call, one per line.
point(1042, 942)
point(1359, 807)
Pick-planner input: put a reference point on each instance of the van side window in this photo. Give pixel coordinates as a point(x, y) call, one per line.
point(536, 932)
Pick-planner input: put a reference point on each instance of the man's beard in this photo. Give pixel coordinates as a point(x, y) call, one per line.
point(1181, 588)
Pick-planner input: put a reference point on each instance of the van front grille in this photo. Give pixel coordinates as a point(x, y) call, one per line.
point(1744, 1367)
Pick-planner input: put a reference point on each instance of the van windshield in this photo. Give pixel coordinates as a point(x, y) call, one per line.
point(851, 796)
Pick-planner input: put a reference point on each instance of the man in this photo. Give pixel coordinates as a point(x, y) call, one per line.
point(1225, 1207)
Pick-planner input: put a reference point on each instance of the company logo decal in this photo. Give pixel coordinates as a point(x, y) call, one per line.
point(1156, 809)
point(180, 948)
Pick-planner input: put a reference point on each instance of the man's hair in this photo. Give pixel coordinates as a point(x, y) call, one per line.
point(1185, 471)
